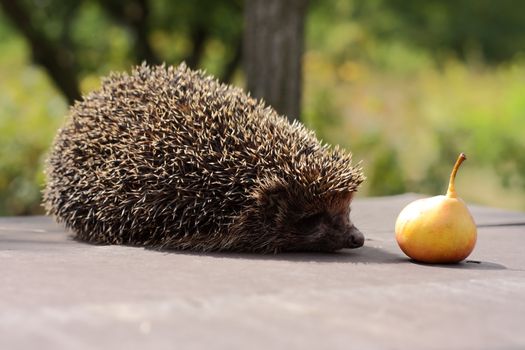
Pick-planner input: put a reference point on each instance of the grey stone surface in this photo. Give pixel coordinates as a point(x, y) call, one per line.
point(56, 293)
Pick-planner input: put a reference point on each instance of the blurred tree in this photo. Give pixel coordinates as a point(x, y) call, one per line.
point(56, 57)
point(65, 36)
point(273, 48)
point(134, 14)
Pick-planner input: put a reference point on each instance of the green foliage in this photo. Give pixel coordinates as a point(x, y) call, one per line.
point(409, 128)
point(95, 53)
point(386, 174)
point(322, 116)
point(30, 112)
point(468, 27)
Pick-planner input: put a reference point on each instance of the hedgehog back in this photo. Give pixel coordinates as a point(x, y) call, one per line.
point(167, 157)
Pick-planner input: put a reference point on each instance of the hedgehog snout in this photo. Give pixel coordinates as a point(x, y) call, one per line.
point(355, 238)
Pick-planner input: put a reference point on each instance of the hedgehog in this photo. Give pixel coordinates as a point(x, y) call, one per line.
point(170, 158)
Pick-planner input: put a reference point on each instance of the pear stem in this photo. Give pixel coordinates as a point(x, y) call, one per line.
point(451, 192)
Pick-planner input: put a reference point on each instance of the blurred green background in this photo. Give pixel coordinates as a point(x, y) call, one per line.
point(405, 85)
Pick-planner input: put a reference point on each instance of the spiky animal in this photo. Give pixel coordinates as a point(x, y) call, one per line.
point(171, 158)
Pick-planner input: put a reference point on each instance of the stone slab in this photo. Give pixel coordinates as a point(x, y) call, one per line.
point(56, 293)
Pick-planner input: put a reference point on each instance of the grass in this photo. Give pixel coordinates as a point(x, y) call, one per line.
point(409, 126)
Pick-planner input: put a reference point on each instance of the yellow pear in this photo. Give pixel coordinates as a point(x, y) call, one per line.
point(439, 229)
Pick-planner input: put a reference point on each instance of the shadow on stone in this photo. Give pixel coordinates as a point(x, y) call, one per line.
point(365, 254)
point(465, 265)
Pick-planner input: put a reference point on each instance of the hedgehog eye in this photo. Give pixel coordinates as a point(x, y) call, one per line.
point(310, 221)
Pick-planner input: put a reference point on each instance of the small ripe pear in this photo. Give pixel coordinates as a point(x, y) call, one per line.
point(439, 229)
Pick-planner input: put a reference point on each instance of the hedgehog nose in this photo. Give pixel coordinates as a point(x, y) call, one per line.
point(355, 238)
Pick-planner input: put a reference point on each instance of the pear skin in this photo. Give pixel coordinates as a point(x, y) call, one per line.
point(439, 229)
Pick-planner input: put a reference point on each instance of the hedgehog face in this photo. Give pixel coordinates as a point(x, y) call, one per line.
point(325, 227)
point(302, 220)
